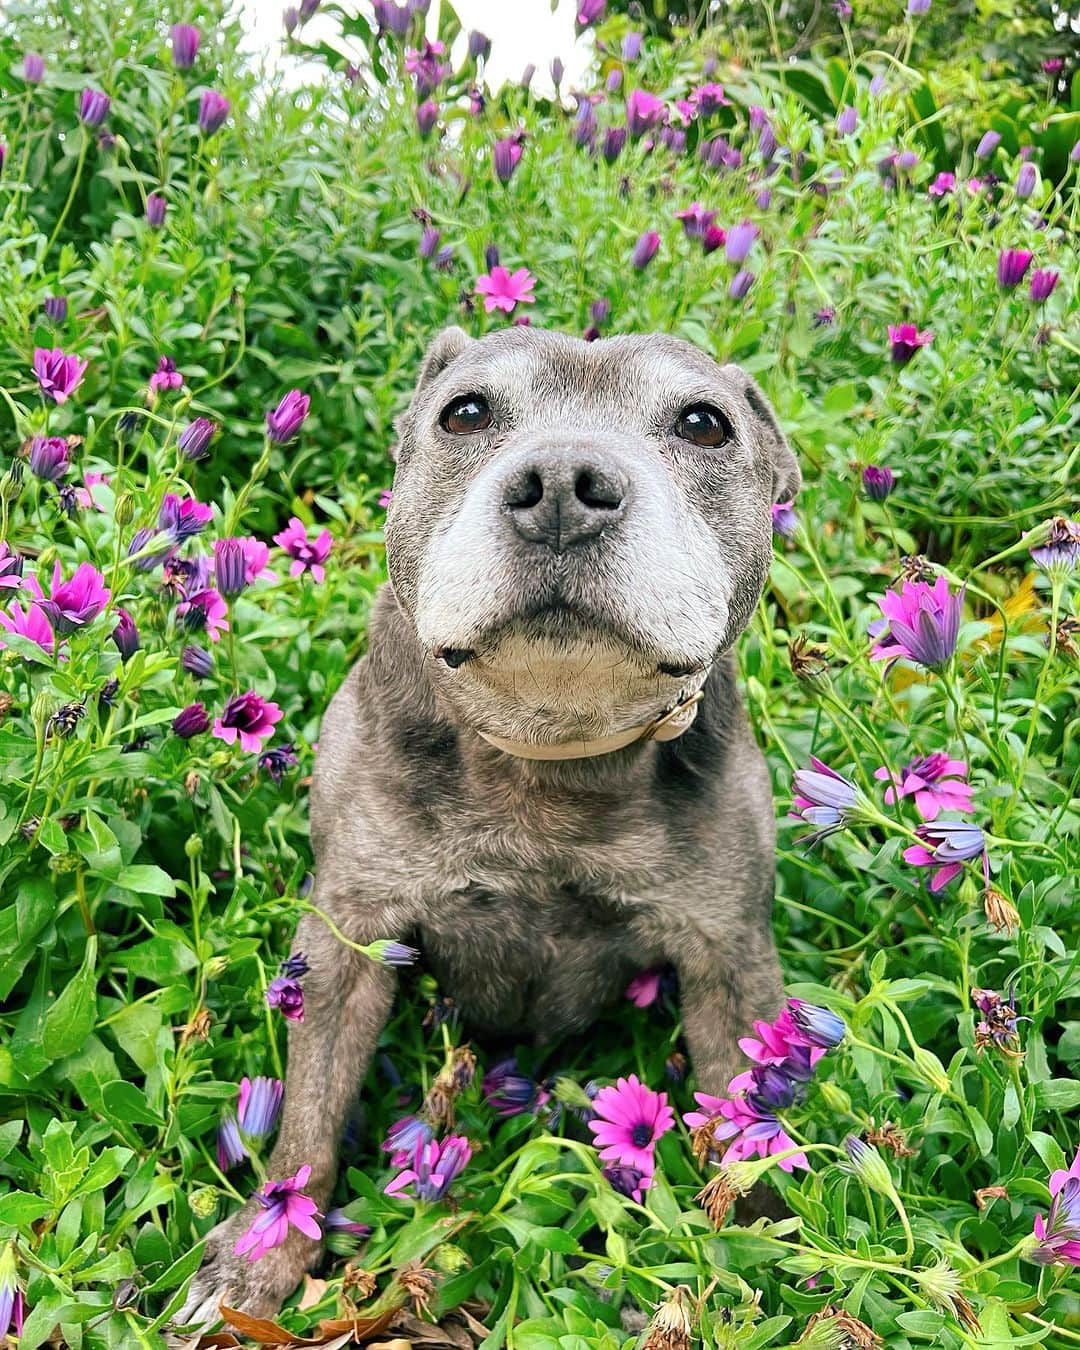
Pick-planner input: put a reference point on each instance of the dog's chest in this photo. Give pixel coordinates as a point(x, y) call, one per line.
point(541, 960)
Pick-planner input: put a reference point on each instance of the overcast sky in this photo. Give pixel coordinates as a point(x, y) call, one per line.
point(522, 31)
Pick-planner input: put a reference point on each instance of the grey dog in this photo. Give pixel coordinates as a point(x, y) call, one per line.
point(540, 773)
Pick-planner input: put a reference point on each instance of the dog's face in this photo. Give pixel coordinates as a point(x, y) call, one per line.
point(579, 529)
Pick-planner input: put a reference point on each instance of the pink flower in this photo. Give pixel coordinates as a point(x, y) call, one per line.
point(57, 374)
point(307, 555)
point(630, 1118)
point(385, 498)
point(942, 185)
point(1059, 1232)
point(256, 559)
point(205, 610)
point(434, 1167)
point(283, 1205)
point(644, 989)
point(85, 495)
point(935, 781)
point(643, 111)
point(748, 1130)
point(30, 623)
point(775, 1041)
point(952, 843)
point(77, 601)
point(503, 290)
point(248, 718)
point(921, 623)
point(166, 376)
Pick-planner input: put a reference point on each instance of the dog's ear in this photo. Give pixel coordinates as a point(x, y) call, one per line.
point(787, 478)
point(443, 348)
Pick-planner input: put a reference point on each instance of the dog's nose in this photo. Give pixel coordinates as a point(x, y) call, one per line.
point(562, 500)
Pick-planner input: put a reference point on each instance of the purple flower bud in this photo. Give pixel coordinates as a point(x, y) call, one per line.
point(93, 107)
point(645, 249)
point(1012, 266)
point(614, 140)
point(918, 6)
point(307, 9)
point(591, 334)
point(55, 307)
point(631, 46)
point(284, 421)
point(197, 661)
point(185, 45)
point(49, 458)
point(878, 481)
point(390, 953)
point(878, 85)
point(1026, 181)
point(527, 75)
point(712, 238)
point(589, 11)
point(195, 438)
point(847, 121)
point(599, 310)
point(491, 257)
point(740, 240)
point(988, 144)
point(290, 18)
point(558, 70)
point(125, 635)
point(479, 46)
point(906, 159)
point(213, 110)
point(1074, 153)
point(764, 199)
point(287, 995)
point(33, 71)
point(444, 259)
point(427, 114)
point(740, 283)
point(613, 83)
point(192, 721)
point(230, 567)
point(506, 154)
point(155, 210)
point(1043, 282)
point(429, 241)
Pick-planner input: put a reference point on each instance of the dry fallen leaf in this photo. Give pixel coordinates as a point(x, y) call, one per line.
point(314, 1293)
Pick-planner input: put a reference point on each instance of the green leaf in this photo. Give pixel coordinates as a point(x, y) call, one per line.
point(144, 878)
point(20, 1209)
point(1058, 1094)
point(126, 1102)
point(71, 1018)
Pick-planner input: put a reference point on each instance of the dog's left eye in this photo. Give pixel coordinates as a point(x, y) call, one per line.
point(702, 424)
point(466, 415)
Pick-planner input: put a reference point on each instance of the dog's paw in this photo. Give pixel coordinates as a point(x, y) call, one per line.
point(255, 1287)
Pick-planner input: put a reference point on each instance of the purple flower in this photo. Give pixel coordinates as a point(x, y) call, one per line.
point(988, 144)
point(337, 1221)
point(33, 71)
point(166, 376)
point(614, 80)
point(1043, 281)
point(49, 458)
point(784, 520)
point(847, 121)
point(740, 240)
point(906, 159)
point(404, 1137)
point(740, 283)
point(185, 45)
point(918, 6)
point(425, 67)
point(77, 601)
point(290, 18)
point(191, 721)
point(55, 307)
point(643, 112)
point(820, 1027)
point(952, 843)
point(1060, 551)
point(427, 114)
point(843, 10)
point(612, 145)
point(942, 185)
point(628, 1181)
point(389, 953)
point(599, 310)
point(527, 76)
point(284, 421)
point(823, 798)
point(286, 994)
point(125, 635)
point(197, 661)
point(204, 610)
point(213, 110)
point(631, 46)
point(391, 19)
point(1053, 64)
point(230, 567)
point(183, 517)
point(1026, 181)
point(558, 70)
point(921, 623)
point(491, 257)
point(307, 9)
point(155, 210)
point(878, 481)
point(277, 761)
point(645, 249)
point(511, 1093)
point(589, 11)
point(93, 107)
point(11, 567)
point(195, 438)
point(58, 375)
point(295, 966)
point(249, 719)
point(12, 1302)
point(434, 1166)
point(764, 199)
point(506, 155)
point(429, 241)
point(284, 1205)
point(906, 339)
point(824, 317)
point(935, 781)
point(307, 554)
point(1012, 266)
point(257, 1109)
point(1059, 1232)
point(479, 46)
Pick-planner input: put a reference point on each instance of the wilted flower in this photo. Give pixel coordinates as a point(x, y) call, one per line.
point(1001, 913)
point(434, 1166)
point(213, 110)
point(506, 155)
point(1000, 1024)
point(191, 721)
point(284, 421)
point(93, 107)
point(195, 438)
point(277, 761)
point(906, 339)
point(125, 634)
point(946, 846)
point(77, 601)
point(1059, 1232)
point(258, 1105)
point(249, 719)
point(58, 375)
point(48, 458)
point(505, 290)
point(1043, 281)
point(1012, 266)
point(630, 1118)
point(166, 376)
point(823, 798)
point(155, 210)
point(1059, 552)
point(878, 480)
point(935, 781)
point(921, 623)
point(284, 1205)
point(643, 111)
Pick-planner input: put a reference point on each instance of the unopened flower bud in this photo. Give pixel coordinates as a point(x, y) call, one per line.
point(194, 846)
point(931, 1069)
point(203, 1202)
point(869, 1166)
point(124, 511)
point(450, 1259)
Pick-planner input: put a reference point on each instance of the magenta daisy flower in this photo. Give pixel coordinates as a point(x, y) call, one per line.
point(935, 781)
point(249, 719)
point(630, 1118)
point(207, 610)
point(504, 290)
point(308, 555)
point(921, 623)
point(166, 376)
point(434, 1167)
point(946, 846)
point(1059, 1232)
point(284, 1206)
point(404, 1137)
point(644, 989)
point(29, 623)
point(58, 374)
point(746, 1129)
point(77, 601)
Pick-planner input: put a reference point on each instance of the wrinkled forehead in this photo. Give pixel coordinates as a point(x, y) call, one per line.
point(552, 376)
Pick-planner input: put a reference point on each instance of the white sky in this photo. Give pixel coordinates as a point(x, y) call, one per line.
point(522, 31)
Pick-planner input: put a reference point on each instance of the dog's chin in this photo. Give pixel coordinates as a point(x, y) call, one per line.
point(553, 677)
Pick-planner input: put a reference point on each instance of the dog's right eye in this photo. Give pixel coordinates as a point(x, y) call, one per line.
point(466, 415)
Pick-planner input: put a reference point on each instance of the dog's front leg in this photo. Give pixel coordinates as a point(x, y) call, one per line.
point(347, 1000)
point(725, 983)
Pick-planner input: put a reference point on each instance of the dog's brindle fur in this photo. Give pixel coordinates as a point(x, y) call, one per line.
point(535, 889)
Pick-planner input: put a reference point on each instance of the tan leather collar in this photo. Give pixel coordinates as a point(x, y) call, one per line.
point(666, 727)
